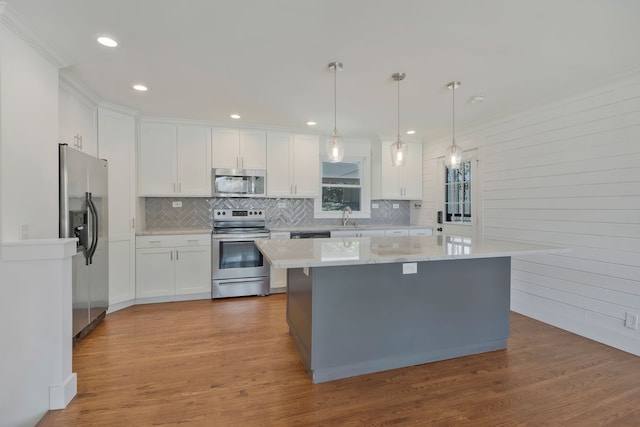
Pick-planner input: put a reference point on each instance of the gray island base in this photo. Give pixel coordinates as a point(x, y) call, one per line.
point(350, 320)
point(363, 305)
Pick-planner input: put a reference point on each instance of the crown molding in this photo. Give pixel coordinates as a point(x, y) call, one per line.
point(12, 21)
point(71, 84)
point(118, 108)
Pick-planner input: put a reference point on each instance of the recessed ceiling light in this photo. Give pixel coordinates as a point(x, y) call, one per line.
point(476, 99)
point(140, 88)
point(411, 132)
point(107, 41)
point(311, 123)
point(235, 116)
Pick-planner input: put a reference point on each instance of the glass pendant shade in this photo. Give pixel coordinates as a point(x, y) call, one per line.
point(399, 152)
point(335, 149)
point(453, 157)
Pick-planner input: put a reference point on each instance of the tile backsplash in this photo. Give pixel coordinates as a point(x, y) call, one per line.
point(196, 212)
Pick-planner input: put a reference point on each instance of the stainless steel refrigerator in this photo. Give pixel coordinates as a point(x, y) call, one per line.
point(83, 214)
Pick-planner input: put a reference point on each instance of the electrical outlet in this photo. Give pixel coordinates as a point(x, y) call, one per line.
point(282, 205)
point(374, 206)
point(396, 206)
point(176, 204)
point(631, 320)
point(410, 268)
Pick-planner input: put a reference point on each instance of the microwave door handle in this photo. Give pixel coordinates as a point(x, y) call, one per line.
point(94, 227)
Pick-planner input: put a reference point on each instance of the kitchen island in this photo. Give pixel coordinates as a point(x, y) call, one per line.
point(362, 305)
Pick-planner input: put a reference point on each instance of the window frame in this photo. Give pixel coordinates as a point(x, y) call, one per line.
point(356, 151)
point(465, 188)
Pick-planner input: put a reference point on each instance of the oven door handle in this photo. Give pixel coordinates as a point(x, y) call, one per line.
point(239, 238)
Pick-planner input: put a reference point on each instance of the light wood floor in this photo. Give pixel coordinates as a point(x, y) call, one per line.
point(231, 363)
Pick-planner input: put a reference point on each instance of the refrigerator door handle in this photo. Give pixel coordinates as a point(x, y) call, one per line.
point(94, 228)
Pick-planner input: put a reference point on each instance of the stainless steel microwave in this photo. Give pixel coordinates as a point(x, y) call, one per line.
point(238, 182)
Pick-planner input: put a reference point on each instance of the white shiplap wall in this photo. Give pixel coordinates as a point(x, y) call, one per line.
point(567, 174)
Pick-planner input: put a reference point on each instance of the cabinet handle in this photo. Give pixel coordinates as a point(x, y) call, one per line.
point(242, 162)
point(177, 255)
point(174, 187)
point(171, 255)
point(179, 187)
point(295, 191)
point(133, 223)
point(290, 188)
point(237, 162)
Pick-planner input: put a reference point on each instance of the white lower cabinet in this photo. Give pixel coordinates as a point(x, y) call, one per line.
point(173, 265)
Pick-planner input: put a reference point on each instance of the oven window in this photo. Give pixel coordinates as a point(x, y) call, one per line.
point(240, 255)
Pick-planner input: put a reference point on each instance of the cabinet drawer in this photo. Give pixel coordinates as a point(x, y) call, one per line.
point(171, 241)
point(400, 232)
point(421, 232)
point(280, 235)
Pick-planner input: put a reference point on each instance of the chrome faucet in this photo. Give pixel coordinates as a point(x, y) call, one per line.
point(345, 215)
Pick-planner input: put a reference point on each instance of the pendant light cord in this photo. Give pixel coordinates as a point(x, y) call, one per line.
point(335, 102)
point(398, 113)
point(453, 96)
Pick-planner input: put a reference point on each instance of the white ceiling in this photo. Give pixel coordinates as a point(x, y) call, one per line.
point(267, 59)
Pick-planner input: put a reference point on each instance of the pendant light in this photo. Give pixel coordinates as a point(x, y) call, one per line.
point(453, 155)
point(398, 149)
point(335, 146)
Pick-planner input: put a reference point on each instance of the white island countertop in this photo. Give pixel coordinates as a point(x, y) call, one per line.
point(300, 253)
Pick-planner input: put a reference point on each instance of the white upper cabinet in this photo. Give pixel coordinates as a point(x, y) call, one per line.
point(293, 163)
point(238, 149)
point(77, 119)
point(157, 167)
point(397, 182)
point(174, 160)
point(194, 161)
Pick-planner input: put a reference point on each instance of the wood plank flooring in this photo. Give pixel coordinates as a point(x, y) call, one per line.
point(231, 363)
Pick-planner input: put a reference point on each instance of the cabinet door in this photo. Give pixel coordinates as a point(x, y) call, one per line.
point(391, 186)
point(278, 164)
point(225, 148)
point(193, 270)
point(154, 272)
point(306, 166)
point(194, 160)
point(77, 122)
point(156, 160)
point(87, 129)
point(412, 173)
point(253, 149)
point(117, 138)
point(66, 117)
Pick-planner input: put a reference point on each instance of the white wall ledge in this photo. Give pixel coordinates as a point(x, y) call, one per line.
point(38, 249)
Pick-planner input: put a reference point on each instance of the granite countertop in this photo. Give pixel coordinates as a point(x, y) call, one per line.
point(173, 231)
point(379, 250)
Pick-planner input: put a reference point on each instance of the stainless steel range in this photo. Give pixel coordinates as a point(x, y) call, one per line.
point(237, 266)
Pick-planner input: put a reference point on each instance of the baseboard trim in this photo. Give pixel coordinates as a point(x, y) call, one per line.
point(61, 394)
